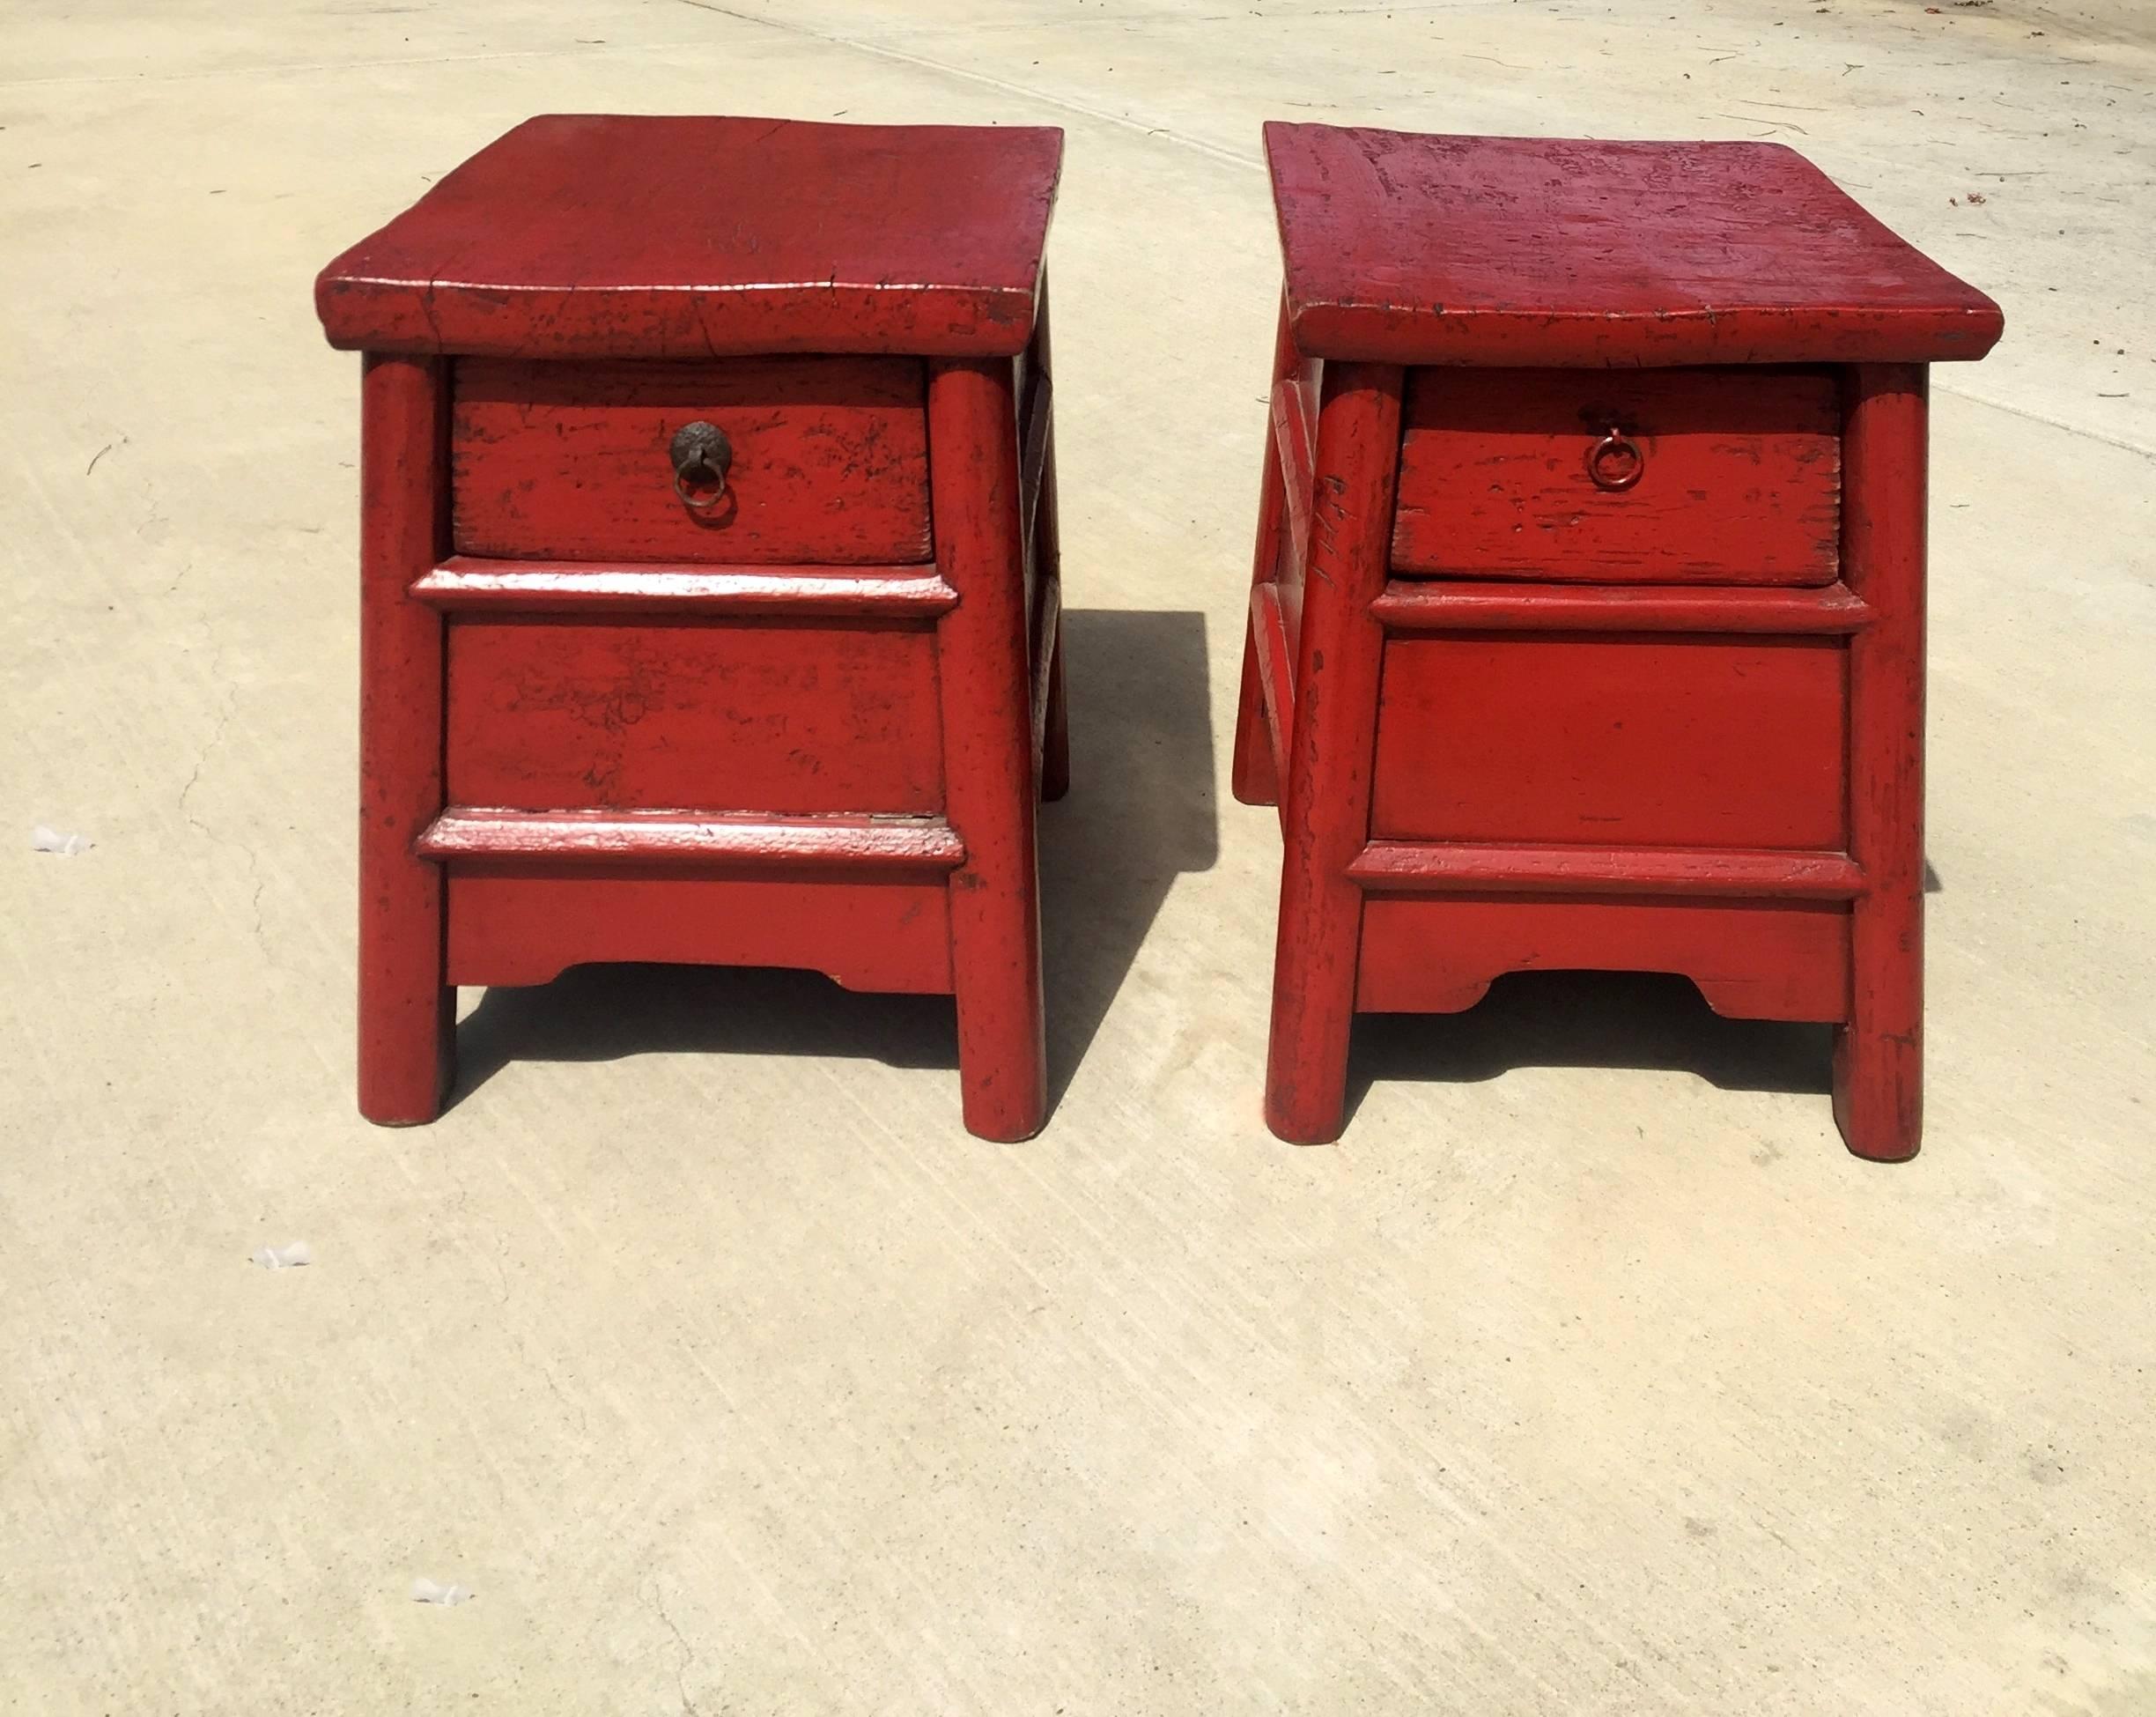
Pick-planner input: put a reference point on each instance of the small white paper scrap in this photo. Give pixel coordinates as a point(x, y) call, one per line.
point(43, 839)
point(284, 1257)
point(425, 1591)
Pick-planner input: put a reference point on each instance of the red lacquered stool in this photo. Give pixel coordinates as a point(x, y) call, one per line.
point(1588, 622)
point(709, 574)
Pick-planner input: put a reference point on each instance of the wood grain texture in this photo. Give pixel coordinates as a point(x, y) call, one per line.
point(1466, 605)
point(988, 748)
point(771, 716)
point(1879, 1056)
point(1751, 960)
point(1429, 867)
point(468, 584)
point(597, 235)
point(805, 845)
point(407, 1013)
point(1328, 787)
point(1740, 484)
point(1544, 252)
point(570, 461)
point(1644, 740)
point(521, 924)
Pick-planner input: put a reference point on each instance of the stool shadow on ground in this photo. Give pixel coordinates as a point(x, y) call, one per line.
point(1618, 1020)
point(1139, 812)
point(603, 1013)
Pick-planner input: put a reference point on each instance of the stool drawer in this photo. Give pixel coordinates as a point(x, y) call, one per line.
point(1651, 740)
point(1712, 477)
point(570, 460)
point(548, 714)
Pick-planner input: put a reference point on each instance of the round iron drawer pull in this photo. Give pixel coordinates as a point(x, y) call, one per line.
point(702, 455)
point(1615, 461)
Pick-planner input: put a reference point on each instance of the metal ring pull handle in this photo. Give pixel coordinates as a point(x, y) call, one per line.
point(1615, 461)
point(702, 455)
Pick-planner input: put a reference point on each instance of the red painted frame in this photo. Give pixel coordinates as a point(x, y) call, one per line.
point(1324, 703)
point(1826, 926)
point(943, 897)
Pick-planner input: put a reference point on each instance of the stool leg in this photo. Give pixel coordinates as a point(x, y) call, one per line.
point(1251, 776)
point(1879, 1053)
point(407, 1011)
point(1329, 757)
point(988, 748)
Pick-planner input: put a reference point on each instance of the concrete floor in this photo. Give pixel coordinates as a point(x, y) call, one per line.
point(1589, 1375)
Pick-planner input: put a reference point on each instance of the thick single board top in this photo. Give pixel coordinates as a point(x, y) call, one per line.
point(595, 235)
point(1548, 252)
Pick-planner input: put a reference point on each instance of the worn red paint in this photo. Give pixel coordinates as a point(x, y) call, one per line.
point(1515, 720)
point(527, 922)
point(468, 584)
point(806, 729)
point(1751, 960)
point(554, 461)
point(591, 235)
point(1559, 254)
point(582, 712)
point(406, 1011)
point(1636, 739)
point(831, 844)
point(1739, 479)
point(1330, 737)
point(1467, 605)
point(990, 776)
point(1878, 1051)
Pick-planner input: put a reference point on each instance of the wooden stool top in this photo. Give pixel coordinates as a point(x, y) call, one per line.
point(1402, 248)
point(595, 235)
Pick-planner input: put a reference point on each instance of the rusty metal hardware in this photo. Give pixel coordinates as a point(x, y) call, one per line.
point(1615, 461)
point(702, 454)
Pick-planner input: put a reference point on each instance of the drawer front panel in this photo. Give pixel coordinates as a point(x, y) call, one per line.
point(1738, 479)
point(774, 716)
point(1641, 740)
point(570, 462)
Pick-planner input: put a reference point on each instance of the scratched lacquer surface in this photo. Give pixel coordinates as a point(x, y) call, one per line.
point(702, 714)
point(1587, 620)
point(792, 708)
point(570, 461)
point(1742, 480)
point(1554, 252)
point(598, 235)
